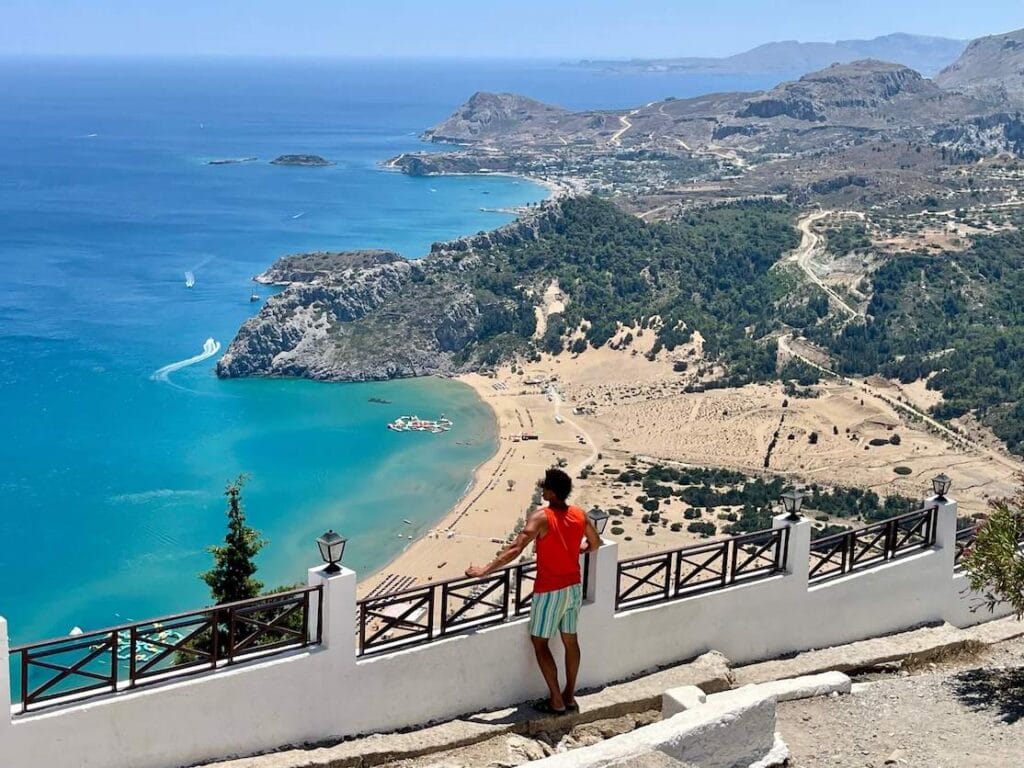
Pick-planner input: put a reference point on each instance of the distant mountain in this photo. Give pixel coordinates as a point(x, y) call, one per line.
point(989, 66)
point(790, 58)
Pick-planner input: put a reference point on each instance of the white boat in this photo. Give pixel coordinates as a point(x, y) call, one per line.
point(190, 279)
point(254, 297)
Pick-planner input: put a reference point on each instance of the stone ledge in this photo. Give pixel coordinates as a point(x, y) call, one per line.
point(709, 672)
point(916, 646)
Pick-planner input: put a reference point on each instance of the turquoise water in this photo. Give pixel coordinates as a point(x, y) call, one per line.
point(111, 481)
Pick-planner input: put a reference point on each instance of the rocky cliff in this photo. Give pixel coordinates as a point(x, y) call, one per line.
point(373, 315)
point(487, 115)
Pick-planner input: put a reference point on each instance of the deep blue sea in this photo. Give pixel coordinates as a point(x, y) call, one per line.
point(111, 479)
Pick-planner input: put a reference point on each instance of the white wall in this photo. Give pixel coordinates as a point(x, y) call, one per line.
point(326, 692)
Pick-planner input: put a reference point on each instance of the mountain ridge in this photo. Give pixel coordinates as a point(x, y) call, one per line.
point(926, 54)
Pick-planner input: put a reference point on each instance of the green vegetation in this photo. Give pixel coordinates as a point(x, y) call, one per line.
point(994, 563)
point(231, 578)
point(847, 237)
point(754, 498)
point(708, 271)
point(960, 318)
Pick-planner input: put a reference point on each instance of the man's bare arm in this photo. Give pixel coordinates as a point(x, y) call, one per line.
point(591, 535)
point(514, 550)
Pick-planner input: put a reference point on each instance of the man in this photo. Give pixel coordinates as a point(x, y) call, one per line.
point(557, 592)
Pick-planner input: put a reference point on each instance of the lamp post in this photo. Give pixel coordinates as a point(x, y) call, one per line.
point(941, 485)
point(792, 501)
point(332, 546)
point(599, 518)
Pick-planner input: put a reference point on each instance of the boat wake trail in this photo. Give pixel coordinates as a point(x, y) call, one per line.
point(210, 348)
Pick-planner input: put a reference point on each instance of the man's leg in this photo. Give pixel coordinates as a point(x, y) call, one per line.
point(546, 662)
point(544, 617)
point(572, 666)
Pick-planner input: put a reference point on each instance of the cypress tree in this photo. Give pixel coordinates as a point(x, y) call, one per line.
point(231, 578)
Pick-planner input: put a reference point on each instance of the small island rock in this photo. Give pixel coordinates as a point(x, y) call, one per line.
point(304, 160)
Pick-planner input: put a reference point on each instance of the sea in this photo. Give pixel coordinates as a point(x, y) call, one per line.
point(118, 439)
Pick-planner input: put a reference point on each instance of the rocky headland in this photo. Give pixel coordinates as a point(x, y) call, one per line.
point(374, 315)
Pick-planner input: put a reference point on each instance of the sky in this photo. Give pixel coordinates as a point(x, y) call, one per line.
point(560, 29)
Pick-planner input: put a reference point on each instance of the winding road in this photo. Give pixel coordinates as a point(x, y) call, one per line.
point(809, 246)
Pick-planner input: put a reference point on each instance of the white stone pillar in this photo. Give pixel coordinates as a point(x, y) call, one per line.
point(596, 635)
point(603, 576)
point(339, 608)
point(798, 553)
point(945, 532)
point(5, 693)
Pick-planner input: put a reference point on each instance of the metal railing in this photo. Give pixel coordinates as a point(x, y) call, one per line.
point(964, 539)
point(691, 570)
point(872, 545)
point(104, 661)
point(410, 617)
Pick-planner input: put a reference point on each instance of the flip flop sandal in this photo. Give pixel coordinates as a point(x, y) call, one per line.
point(544, 707)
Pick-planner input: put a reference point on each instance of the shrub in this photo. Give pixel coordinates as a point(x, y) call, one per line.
point(895, 439)
point(704, 529)
point(651, 504)
point(617, 531)
point(902, 470)
point(676, 527)
point(645, 519)
point(878, 441)
point(994, 563)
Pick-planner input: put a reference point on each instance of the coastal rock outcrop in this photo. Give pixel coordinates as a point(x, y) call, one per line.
point(373, 315)
point(492, 114)
point(309, 161)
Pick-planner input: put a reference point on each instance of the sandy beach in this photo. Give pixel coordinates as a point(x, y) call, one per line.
point(605, 407)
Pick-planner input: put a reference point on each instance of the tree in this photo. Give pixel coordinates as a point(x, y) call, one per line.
point(231, 577)
point(994, 563)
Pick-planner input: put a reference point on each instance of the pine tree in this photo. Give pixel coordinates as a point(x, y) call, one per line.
point(231, 578)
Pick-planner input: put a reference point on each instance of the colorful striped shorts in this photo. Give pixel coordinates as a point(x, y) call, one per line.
point(557, 611)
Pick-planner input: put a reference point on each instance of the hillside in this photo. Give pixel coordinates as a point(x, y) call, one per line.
point(791, 58)
point(989, 65)
point(473, 302)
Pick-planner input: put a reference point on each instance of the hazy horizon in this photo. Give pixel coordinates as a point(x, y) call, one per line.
point(459, 29)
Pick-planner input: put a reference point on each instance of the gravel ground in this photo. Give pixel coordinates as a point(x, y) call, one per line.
point(954, 715)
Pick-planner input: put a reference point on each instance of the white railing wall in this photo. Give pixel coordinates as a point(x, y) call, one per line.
point(325, 692)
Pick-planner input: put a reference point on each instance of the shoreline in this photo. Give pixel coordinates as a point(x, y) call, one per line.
point(557, 188)
point(471, 485)
point(499, 493)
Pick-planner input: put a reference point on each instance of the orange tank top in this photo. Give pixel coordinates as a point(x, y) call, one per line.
point(558, 550)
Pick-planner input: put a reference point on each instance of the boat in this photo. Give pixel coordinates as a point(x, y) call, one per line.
point(190, 279)
point(254, 297)
point(416, 424)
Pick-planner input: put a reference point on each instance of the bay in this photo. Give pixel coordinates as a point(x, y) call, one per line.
point(111, 478)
